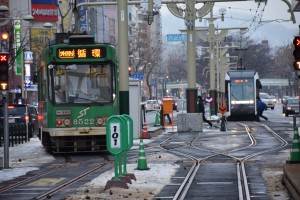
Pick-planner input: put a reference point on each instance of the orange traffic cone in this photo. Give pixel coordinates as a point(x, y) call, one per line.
point(145, 134)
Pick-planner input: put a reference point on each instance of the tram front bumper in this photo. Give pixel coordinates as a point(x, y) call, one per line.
point(60, 132)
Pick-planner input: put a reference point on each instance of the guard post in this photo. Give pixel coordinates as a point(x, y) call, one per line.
point(129, 139)
point(168, 110)
point(116, 142)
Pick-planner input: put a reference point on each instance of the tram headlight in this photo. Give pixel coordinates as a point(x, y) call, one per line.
point(99, 121)
point(67, 122)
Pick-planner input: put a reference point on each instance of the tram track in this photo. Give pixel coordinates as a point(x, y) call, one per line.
point(29, 179)
point(49, 194)
point(233, 158)
point(51, 183)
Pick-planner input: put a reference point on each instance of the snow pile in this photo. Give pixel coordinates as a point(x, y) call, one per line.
point(24, 158)
point(148, 182)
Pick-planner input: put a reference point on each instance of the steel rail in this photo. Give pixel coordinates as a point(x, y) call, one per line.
point(29, 179)
point(49, 194)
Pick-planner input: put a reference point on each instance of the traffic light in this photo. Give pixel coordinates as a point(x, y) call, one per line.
point(4, 42)
point(3, 71)
point(296, 52)
point(129, 71)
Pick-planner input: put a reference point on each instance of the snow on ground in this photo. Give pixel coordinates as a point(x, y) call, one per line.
point(148, 182)
point(30, 156)
point(24, 158)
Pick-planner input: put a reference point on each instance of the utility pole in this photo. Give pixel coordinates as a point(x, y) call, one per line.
point(212, 37)
point(190, 17)
point(123, 56)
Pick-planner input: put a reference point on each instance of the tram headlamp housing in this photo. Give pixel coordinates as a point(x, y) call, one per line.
point(63, 122)
point(59, 122)
point(101, 121)
point(67, 122)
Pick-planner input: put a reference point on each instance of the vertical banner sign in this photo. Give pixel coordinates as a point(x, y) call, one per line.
point(18, 61)
point(82, 17)
point(115, 134)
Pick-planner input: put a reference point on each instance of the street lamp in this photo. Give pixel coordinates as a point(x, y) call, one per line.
point(4, 8)
point(4, 20)
point(47, 25)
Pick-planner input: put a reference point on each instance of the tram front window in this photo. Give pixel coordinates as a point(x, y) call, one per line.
point(78, 83)
point(242, 91)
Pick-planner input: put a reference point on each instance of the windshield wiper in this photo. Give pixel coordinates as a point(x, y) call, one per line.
point(71, 100)
point(234, 97)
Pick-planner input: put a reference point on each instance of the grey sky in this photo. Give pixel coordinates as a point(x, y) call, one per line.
point(241, 14)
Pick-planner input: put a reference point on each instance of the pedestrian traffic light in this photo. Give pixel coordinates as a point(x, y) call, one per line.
point(296, 52)
point(3, 71)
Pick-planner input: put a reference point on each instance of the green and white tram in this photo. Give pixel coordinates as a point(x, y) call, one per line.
point(78, 91)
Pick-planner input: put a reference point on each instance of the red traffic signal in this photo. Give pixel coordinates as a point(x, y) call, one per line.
point(296, 42)
point(4, 71)
point(3, 58)
point(296, 52)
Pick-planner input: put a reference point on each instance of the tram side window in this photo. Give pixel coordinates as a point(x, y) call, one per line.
point(59, 86)
point(104, 82)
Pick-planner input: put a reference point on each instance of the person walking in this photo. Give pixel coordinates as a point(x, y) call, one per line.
point(261, 107)
point(201, 109)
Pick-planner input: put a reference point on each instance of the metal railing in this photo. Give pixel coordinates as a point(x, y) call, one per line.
point(17, 134)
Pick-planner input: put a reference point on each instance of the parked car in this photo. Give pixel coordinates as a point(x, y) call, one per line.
point(292, 106)
point(17, 114)
point(151, 105)
point(265, 97)
point(283, 100)
point(174, 103)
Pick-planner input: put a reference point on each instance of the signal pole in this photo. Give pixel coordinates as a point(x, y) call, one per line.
point(6, 134)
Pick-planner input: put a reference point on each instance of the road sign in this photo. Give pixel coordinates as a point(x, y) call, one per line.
point(139, 76)
point(115, 134)
point(208, 99)
point(222, 109)
point(176, 37)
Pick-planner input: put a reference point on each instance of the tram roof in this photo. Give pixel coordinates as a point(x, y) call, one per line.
point(242, 73)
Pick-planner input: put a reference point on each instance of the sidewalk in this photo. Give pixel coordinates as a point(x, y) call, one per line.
point(291, 178)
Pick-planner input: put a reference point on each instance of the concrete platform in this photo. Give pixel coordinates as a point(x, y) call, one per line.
point(291, 179)
point(155, 130)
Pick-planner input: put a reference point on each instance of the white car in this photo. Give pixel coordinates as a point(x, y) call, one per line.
point(265, 97)
point(151, 105)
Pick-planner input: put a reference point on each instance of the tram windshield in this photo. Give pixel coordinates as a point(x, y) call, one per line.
point(242, 90)
point(81, 83)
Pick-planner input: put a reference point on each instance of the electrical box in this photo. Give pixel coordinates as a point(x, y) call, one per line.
point(167, 105)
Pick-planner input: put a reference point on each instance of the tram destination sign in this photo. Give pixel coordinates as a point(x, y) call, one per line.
point(81, 52)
